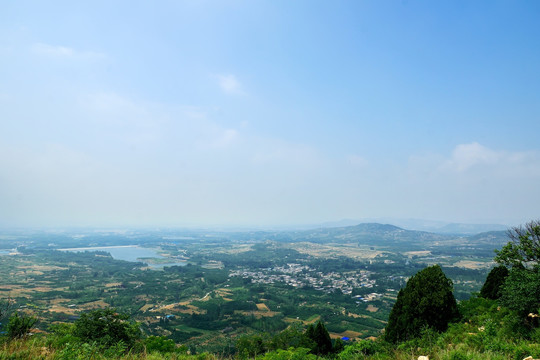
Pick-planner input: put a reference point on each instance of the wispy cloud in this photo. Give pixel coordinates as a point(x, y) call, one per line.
point(468, 157)
point(64, 52)
point(357, 161)
point(229, 84)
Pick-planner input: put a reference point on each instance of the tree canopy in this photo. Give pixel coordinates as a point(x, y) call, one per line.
point(523, 249)
point(426, 301)
point(320, 337)
point(492, 288)
point(521, 289)
point(107, 327)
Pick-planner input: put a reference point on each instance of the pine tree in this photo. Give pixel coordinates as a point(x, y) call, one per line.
point(322, 344)
point(426, 301)
point(322, 338)
point(492, 288)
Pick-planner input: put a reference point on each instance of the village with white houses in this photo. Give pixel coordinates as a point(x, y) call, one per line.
point(300, 276)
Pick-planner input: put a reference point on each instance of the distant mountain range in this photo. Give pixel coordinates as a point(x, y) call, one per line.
point(391, 236)
point(439, 227)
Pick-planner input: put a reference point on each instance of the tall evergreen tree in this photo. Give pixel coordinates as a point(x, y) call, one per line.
point(426, 301)
point(320, 337)
point(492, 288)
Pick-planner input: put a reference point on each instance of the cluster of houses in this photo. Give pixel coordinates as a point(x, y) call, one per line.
point(298, 275)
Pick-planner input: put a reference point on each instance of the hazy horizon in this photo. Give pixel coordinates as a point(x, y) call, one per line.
point(268, 113)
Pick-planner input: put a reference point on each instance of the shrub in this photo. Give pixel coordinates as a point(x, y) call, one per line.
point(107, 328)
point(19, 326)
point(160, 344)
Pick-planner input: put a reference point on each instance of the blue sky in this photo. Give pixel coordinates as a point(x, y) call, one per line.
point(262, 113)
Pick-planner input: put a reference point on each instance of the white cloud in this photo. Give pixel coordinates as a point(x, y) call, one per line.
point(64, 52)
point(476, 158)
point(472, 183)
point(466, 156)
point(227, 137)
point(357, 161)
point(229, 84)
point(211, 136)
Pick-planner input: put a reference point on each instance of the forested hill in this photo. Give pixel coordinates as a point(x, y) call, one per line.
point(369, 234)
point(393, 236)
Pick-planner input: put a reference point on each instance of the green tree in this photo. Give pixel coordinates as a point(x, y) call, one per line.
point(159, 344)
point(5, 308)
point(338, 347)
point(425, 302)
point(523, 249)
point(292, 336)
point(19, 326)
point(492, 288)
point(107, 328)
point(521, 289)
point(320, 337)
point(251, 346)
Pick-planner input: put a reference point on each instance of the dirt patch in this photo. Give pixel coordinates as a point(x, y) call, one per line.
point(137, 283)
point(142, 298)
point(257, 314)
point(326, 251)
point(372, 308)
point(238, 249)
point(183, 307)
point(58, 301)
point(41, 267)
point(62, 309)
point(146, 307)
point(114, 284)
point(40, 289)
point(191, 309)
point(184, 303)
point(262, 307)
point(417, 253)
point(99, 304)
point(474, 265)
point(356, 316)
point(22, 291)
point(205, 297)
point(349, 333)
point(225, 294)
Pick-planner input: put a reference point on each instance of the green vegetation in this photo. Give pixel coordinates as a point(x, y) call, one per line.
point(107, 328)
point(276, 296)
point(492, 288)
point(521, 289)
point(19, 326)
point(426, 302)
point(486, 332)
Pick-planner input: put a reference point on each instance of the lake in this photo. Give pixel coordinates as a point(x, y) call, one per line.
point(130, 253)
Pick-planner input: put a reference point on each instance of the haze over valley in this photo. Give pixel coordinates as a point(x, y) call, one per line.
point(269, 180)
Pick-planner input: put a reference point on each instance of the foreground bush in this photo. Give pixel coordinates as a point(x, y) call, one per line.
point(107, 328)
point(19, 325)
